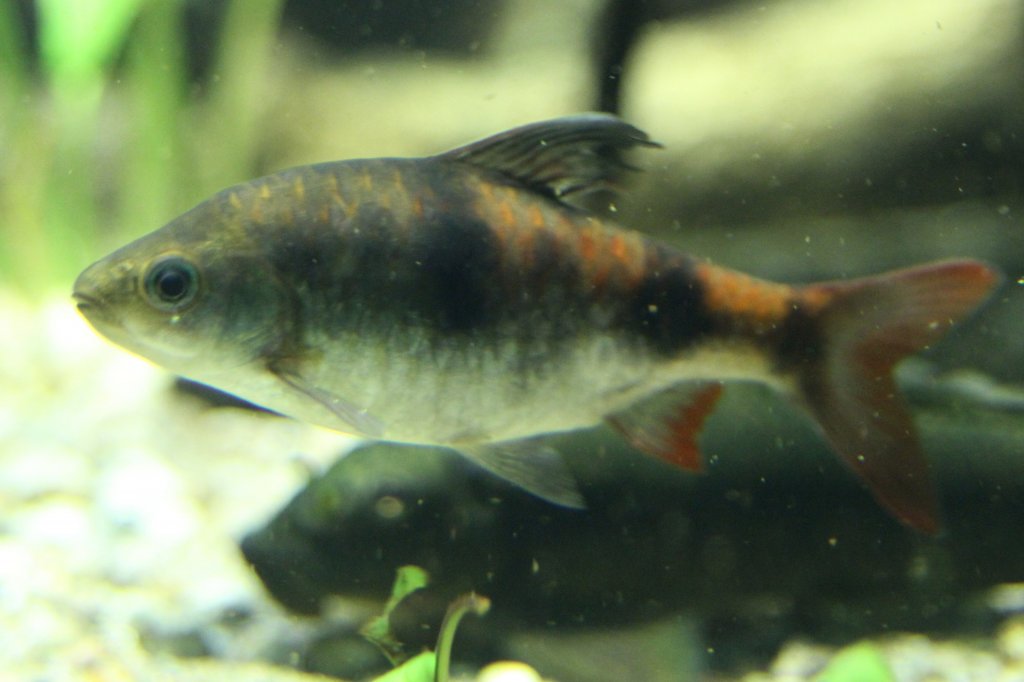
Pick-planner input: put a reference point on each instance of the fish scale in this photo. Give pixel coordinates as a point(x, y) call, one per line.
point(460, 300)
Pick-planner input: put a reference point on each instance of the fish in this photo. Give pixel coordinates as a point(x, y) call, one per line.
point(468, 300)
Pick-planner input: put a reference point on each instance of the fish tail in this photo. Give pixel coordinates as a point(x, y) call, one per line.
point(844, 339)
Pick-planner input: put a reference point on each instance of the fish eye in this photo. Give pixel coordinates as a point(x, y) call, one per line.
point(389, 507)
point(171, 283)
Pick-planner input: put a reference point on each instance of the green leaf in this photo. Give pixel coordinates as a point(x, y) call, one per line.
point(419, 668)
point(378, 630)
point(427, 666)
point(861, 662)
point(408, 580)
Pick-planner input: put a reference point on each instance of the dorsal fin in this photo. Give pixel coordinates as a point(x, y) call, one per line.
point(562, 156)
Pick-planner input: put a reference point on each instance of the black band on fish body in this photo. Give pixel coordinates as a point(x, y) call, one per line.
point(457, 262)
point(668, 310)
point(800, 343)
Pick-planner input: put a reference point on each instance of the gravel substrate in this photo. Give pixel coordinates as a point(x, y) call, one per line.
point(120, 509)
point(914, 658)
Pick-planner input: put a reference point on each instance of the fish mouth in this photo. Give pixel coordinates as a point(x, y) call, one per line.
point(95, 311)
point(86, 302)
point(85, 293)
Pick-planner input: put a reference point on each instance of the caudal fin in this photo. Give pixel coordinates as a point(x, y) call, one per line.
point(864, 328)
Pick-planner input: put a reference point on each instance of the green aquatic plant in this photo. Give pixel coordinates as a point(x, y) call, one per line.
point(467, 603)
point(428, 666)
point(419, 668)
point(105, 137)
point(861, 662)
point(50, 191)
point(408, 579)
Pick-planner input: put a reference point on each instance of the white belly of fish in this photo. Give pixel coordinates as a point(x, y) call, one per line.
point(458, 398)
point(466, 396)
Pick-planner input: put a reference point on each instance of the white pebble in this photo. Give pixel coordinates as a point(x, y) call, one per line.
point(508, 671)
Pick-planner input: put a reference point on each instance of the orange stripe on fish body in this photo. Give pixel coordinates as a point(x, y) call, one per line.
point(334, 192)
point(522, 233)
point(507, 217)
point(531, 235)
point(497, 212)
point(256, 213)
point(536, 217)
point(605, 257)
point(753, 305)
point(627, 250)
point(365, 181)
point(594, 265)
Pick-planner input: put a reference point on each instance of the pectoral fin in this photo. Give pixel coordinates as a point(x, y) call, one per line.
point(533, 466)
point(354, 419)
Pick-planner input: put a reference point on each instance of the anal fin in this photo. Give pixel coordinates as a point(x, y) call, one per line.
point(668, 426)
point(531, 465)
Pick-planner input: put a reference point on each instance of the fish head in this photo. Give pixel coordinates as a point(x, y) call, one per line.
point(186, 298)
